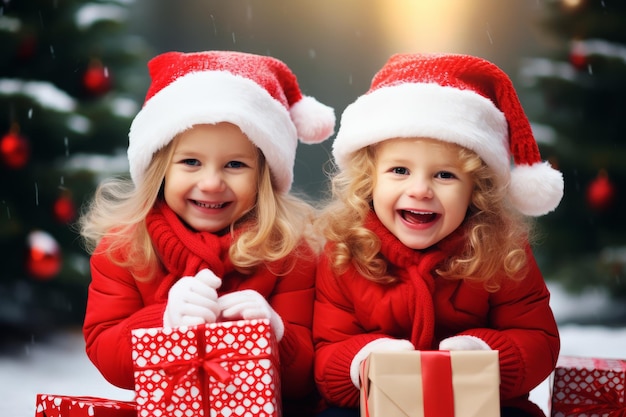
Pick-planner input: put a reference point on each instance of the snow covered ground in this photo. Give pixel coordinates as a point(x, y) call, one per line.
point(60, 366)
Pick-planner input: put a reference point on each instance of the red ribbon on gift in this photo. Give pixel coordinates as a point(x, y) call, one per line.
point(365, 387)
point(180, 371)
point(604, 401)
point(437, 390)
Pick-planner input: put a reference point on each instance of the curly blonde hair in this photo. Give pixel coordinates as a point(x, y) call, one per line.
point(274, 228)
point(497, 236)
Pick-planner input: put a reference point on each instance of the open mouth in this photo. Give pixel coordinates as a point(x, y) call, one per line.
point(209, 206)
point(418, 217)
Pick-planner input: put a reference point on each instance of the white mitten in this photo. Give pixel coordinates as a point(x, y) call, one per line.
point(463, 342)
point(378, 345)
point(248, 305)
point(193, 300)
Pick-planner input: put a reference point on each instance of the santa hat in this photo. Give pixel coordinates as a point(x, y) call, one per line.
point(459, 99)
point(259, 94)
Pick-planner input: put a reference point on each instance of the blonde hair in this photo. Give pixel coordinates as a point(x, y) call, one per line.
point(496, 235)
point(273, 229)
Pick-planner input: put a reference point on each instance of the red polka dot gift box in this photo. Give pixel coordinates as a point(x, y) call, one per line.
point(220, 369)
point(588, 387)
point(49, 405)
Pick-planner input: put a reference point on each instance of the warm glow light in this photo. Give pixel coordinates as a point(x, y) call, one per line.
point(572, 4)
point(425, 25)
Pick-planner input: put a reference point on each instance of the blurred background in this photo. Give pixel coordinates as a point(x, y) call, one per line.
point(73, 75)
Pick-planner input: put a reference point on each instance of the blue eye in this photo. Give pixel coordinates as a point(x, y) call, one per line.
point(445, 175)
point(190, 162)
point(235, 164)
point(400, 170)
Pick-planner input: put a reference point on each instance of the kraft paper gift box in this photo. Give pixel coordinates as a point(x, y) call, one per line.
point(431, 384)
point(591, 387)
point(220, 369)
point(49, 405)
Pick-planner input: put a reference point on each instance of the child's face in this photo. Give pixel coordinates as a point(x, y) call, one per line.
point(212, 179)
point(421, 193)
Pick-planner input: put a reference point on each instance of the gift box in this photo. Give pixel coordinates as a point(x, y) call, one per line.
point(70, 406)
point(589, 387)
point(431, 384)
point(219, 369)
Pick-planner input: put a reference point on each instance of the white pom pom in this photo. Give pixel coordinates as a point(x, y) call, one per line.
point(314, 121)
point(536, 189)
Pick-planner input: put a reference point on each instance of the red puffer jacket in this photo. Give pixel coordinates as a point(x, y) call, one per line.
point(351, 311)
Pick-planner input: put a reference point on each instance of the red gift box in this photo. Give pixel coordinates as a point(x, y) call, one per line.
point(590, 387)
point(69, 406)
point(219, 369)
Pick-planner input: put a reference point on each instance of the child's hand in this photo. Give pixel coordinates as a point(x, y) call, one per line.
point(463, 342)
point(248, 305)
point(384, 344)
point(193, 300)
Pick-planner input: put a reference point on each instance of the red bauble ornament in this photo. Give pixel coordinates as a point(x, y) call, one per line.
point(43, 258)
point(14, 150)
point(578, 56)
point(601, 192)
point(64, 209)
point(27, 47)
point(96, 79)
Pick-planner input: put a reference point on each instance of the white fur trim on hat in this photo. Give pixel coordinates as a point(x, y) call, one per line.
point(425, 110)
point(210, 97)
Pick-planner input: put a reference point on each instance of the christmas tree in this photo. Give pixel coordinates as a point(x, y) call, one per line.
point(576, 98)
point(71, 78)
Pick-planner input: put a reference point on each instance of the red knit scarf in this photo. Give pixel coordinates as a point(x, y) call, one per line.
point(184, 252)
point(419, 266)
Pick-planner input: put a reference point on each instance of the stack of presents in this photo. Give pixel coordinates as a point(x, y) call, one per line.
point(231, 369)
point(223, 369)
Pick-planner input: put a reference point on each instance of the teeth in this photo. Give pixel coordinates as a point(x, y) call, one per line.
point(211, 206)
point(421, 212)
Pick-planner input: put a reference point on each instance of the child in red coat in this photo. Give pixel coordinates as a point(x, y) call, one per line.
point(205, 229)
point(428, 232)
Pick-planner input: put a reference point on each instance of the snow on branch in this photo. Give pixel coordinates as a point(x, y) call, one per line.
point(44, 93)
point(10, 24)
point(600, 47)
point(104, 165)
point(92, 13)
point(534, 68)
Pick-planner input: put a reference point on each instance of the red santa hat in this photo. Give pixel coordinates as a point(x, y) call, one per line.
point(259, 94)
point(459, 99)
